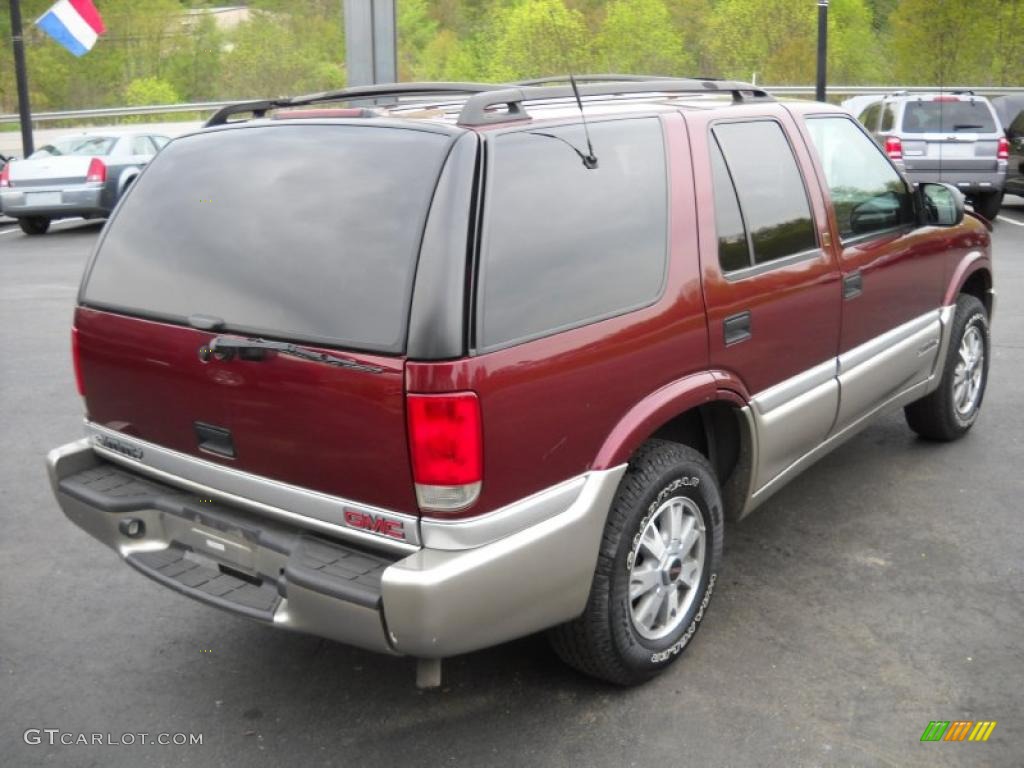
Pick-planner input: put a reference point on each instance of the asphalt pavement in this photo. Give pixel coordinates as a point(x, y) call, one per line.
point(879, 591)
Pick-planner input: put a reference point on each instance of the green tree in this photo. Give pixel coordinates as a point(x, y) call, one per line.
point(638, 37)
point(776, 39)
point(941, 42)
point(538, 37)
point(416, 30)
point(275, 54)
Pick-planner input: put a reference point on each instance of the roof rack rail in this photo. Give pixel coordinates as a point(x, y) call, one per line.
point(480, 107)
point(260, 108)
point(607, 78)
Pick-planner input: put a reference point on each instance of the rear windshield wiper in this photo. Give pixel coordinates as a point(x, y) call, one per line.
point(225, 347)
point(965, 126)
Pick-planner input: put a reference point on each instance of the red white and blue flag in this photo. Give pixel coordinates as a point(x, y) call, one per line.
point(75, 24)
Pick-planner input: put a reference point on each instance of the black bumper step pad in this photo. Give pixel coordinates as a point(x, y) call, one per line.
point(174, 569)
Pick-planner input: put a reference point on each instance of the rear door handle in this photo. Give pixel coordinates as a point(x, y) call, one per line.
point(737, 328)
point(853, 285)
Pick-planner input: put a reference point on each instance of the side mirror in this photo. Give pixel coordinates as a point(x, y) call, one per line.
point(943, 204)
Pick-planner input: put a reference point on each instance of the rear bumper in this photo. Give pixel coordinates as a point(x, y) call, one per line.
point(431, 603)
point(77, 200)
point(967, 182)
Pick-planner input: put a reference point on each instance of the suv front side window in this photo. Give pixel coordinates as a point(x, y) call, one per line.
point(868, 195)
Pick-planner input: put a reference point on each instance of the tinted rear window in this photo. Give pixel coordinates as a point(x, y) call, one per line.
point(79, 145)
point(948, 117)
point(305, 232)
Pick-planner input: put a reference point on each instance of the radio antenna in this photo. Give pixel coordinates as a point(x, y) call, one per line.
point(590, 160)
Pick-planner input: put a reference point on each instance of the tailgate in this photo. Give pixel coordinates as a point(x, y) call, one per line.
point(334, 430)
point(298, 234)
point(951, 153)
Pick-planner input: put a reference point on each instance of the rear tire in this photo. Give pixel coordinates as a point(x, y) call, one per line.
point(988, 204)
point(644, 609)
point(948, 412)
point(34, 225)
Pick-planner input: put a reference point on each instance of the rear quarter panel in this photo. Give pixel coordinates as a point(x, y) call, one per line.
point(549, 405)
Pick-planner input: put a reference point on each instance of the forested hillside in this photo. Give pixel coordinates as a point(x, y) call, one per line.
point(156, 51)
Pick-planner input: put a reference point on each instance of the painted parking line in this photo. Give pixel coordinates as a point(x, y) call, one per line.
point(1010, 221)
point(9, 231)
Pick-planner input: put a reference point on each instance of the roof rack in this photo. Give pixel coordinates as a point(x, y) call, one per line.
point(480, 107)
point(261, 107)
point(607, 78)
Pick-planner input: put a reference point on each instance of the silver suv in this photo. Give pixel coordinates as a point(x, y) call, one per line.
point(947, 137)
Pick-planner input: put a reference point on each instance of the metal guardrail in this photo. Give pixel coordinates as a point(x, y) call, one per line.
point(213, 106)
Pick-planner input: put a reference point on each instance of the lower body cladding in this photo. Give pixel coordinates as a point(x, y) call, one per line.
point(430, 603)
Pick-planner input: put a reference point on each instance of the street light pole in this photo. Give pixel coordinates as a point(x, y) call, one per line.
point(819, 91)
point(24, 111)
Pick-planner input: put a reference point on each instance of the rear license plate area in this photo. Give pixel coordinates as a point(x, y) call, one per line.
point(43, 198)
point(220, 547)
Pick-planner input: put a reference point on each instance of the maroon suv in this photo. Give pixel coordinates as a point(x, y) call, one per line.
point(428, 377)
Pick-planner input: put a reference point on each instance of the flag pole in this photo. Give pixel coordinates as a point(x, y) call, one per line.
point(24, 110)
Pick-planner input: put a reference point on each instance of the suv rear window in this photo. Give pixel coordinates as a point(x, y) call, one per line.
point(948, 117)
point(563, 245)
point(306, 232)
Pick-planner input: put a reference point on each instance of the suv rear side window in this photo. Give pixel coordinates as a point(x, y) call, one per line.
point(867, 193)
point(563, 245)
point(771, 191)
point(307, 232)
point(948, 117)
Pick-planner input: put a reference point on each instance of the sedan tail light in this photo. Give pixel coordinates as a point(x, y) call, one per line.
point(1003, 153)
point(76, 361)
point(894, 148)
point(446, 445)
point(97, 171)
point(5, 176)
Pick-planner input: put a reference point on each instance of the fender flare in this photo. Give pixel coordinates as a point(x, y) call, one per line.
point(975, 261)
point(128, 175)
point(661, 406)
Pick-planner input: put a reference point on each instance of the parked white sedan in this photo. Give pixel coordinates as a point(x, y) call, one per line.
point(83, 175)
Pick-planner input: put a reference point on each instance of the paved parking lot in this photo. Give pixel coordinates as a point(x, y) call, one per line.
point(877, 592)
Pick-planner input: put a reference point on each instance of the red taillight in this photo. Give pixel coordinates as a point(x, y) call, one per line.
point(76, 360)
point(1003, 153)
point(446, 444)
point(97, 171)
point(5, 176)
point(894, 148)
point(946, 98)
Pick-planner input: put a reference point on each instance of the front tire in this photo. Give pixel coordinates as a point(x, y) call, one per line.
point(656, 569)
point(988, 204)
point(948, 412)
point(34, 225)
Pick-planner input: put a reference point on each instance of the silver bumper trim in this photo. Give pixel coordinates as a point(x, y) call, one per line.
point(432, 603)
point(289, 503)
point(439, 603)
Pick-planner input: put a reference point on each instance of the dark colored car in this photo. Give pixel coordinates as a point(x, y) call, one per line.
point(1011, 114)
point(83, 175)
point(429, 378)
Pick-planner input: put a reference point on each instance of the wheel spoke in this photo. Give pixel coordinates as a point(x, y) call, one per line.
point(690, 572)
point(647, 609)
point(690, 536)
point(675, 522)
point(652, 543)
point(642, 581)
